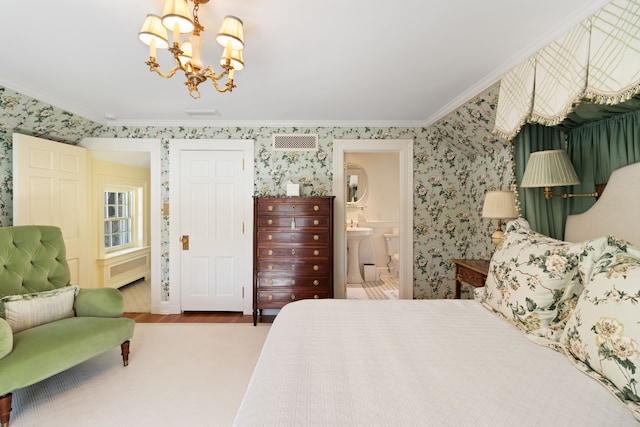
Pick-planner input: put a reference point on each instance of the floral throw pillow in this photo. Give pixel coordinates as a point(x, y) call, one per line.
point(534, 280)
point(603, 333)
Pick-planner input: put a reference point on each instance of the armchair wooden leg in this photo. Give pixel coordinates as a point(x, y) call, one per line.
point(125, 353)
point(5, 409)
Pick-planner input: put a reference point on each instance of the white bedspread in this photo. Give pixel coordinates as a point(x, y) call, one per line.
point(415, 363)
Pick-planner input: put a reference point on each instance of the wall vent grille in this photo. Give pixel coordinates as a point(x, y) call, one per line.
point(295, 142)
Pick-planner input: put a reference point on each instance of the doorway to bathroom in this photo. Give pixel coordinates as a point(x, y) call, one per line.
point(372, 216)
point(387, 166)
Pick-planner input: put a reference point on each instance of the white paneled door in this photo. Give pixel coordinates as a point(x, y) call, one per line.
point(212, 230)
point(50, 188)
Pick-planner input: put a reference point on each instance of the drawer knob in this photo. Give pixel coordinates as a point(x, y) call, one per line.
point(316, 208)
point(316, 253)
point(293, 266)
point(270, 252)
point(293, 251)
point(270, 297)
point(316, 222)
point(270, 222)
point(316, 237)
point(316, 297)
point(269, 237)
point(270, 208)
point(293, 237)
point(316, 283)
point(270, 282)
point(293, 296)
point(293, 282)
point(316, 268)
point(270, 267)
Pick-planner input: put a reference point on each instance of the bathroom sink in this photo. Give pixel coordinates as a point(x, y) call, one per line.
point(354, 236)
point(359, 232)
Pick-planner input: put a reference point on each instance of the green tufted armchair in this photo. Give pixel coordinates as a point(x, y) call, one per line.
point(46, 324)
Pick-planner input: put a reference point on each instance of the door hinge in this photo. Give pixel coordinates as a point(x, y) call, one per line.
point(243, 292)
point(242, 227)
point(243, 163)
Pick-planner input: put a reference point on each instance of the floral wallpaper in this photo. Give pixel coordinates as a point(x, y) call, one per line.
point(456, 160)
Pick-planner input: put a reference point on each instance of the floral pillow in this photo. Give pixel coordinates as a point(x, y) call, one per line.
point(603, 333)
point(534, 280)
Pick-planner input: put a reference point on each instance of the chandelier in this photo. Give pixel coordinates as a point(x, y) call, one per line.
point(178, 19)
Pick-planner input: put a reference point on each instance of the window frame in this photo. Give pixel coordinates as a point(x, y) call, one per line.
point(136, 217)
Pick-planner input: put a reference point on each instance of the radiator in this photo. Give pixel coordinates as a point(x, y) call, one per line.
point(119, 270)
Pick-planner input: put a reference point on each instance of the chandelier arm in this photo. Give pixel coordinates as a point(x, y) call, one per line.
point(153, 66)
point(211, 75)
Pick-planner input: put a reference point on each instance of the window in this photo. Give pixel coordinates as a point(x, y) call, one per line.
point(118, 216)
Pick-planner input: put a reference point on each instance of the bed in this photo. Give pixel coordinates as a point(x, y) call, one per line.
point(551, 340)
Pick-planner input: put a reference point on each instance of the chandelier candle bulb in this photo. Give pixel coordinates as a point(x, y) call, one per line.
point(176, 34)
point(227, 52)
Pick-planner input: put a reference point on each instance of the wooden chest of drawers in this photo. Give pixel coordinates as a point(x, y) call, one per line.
point(293, 250)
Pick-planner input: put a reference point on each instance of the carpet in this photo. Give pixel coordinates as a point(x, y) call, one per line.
point(179, 374)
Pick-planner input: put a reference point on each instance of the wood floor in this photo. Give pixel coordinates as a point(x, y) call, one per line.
point(196, 317)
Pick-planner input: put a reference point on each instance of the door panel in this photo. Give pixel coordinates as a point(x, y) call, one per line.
point(50, 188)
point(212, 212)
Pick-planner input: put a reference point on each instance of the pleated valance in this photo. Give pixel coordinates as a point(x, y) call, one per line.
point(597, 61)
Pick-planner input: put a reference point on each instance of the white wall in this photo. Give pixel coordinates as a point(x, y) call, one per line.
point(382, 198)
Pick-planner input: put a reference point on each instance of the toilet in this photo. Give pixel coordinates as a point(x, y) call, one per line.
point(392, 243)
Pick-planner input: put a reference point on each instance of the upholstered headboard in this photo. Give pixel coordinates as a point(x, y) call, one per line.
point(616, 213)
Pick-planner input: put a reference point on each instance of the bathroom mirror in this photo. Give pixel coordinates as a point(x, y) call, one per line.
point(356, 185)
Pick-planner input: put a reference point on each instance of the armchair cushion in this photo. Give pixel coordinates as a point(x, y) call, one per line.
point(48, 349)
point(6, 338)
point(28, 310)
point(100, 302)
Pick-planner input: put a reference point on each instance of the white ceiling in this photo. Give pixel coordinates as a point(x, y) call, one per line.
point(330, 62)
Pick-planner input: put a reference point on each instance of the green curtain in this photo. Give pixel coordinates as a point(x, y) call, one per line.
point(599, 148)
point(544, 216)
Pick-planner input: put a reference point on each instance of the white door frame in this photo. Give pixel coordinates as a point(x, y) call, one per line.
point(153, 147)
point(176, 146)
point(404, 147)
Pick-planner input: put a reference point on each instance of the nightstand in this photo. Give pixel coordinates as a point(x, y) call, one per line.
point(471, 271)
